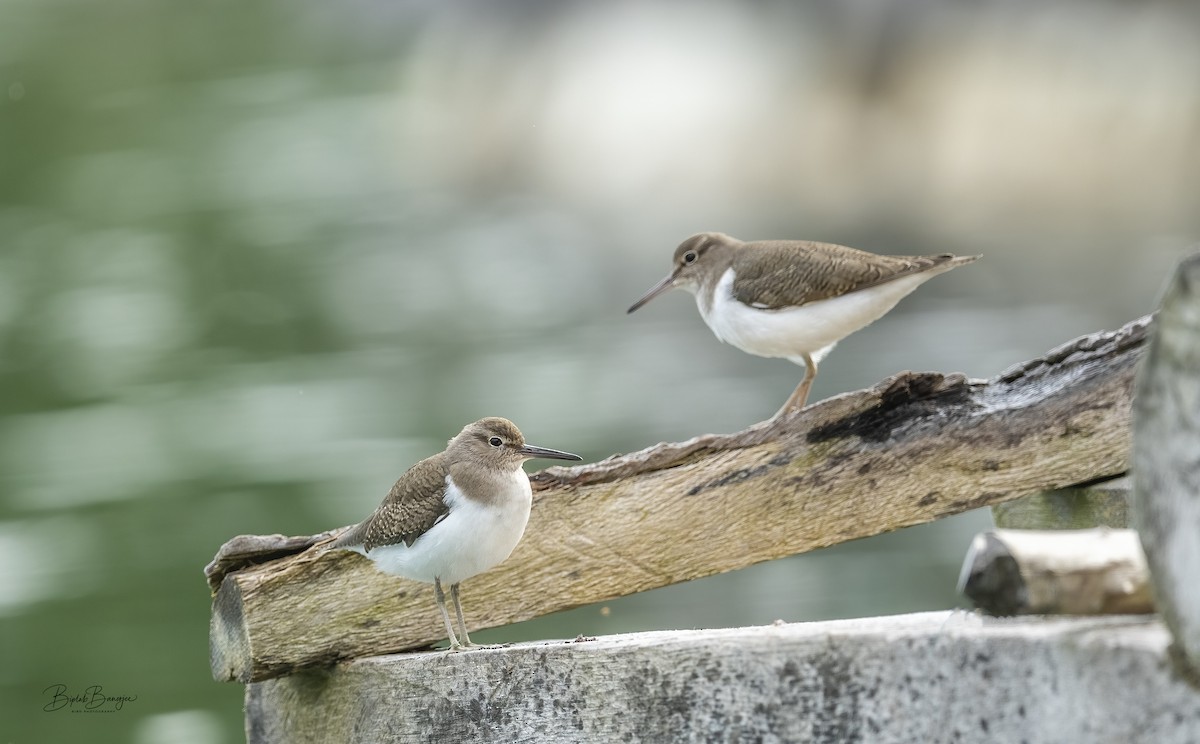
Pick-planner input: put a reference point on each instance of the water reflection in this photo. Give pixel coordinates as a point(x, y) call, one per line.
point(255, 260)
point(66, 571)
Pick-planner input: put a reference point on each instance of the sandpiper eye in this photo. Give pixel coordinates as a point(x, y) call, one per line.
point(495, 441)
point(689, 257)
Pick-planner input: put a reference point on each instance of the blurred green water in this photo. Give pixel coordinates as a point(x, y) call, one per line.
point(255, 260)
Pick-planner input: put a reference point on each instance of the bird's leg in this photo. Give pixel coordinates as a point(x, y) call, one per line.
point(458, 610)
point(799, 396)
point(441, 601)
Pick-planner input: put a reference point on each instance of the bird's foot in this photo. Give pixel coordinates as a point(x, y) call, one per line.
point(489, 645)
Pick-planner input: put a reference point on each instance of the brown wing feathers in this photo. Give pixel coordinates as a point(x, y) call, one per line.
point(769, 275)
point(407, 512)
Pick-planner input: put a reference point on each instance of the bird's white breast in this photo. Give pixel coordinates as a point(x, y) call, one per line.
point(472, 538)
point(788, 332)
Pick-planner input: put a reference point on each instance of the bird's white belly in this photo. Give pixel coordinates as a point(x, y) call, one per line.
point(788, 332)
point(472, 538)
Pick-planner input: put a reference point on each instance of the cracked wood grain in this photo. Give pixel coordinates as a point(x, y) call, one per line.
point(912, 449)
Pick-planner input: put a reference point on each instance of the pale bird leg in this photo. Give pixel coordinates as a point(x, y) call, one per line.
point(458, 610)
point(441, 601)
point(799, 396)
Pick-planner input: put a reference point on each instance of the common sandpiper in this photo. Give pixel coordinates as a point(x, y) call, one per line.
point(455, 514)
point(793, 299)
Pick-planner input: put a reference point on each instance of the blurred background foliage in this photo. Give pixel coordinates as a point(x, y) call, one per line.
point(258, 258)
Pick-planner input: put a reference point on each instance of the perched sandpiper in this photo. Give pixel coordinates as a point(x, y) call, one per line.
point(455, 514)
point(793, 299)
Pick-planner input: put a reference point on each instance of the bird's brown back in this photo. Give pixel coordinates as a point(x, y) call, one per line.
point(774, 274)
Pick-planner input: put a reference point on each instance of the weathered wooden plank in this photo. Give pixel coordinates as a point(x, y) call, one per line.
point(1102, 504)
point(1057, 572)
point(933, 677)
point(912, 449)
point(1166, 460)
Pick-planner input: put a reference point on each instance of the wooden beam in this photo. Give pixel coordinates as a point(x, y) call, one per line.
point(1101, 504)
point(1057, 572)
point(912, 449)
point(1166, 461)
point(930, 677)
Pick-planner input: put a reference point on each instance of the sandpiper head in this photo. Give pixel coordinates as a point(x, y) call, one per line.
point(497, 442)
point(696, 260)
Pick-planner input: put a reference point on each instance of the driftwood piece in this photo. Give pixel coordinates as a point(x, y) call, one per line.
point(912, 449)
point(1166, 460)
point(932, 677)
point(1102, 504)
point(1054, 572)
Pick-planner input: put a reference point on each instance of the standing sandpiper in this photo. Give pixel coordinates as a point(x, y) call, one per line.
point(792, 298)
point(455, 514)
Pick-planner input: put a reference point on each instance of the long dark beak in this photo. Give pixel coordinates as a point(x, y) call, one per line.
point(530, 451)
point(655, 291)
